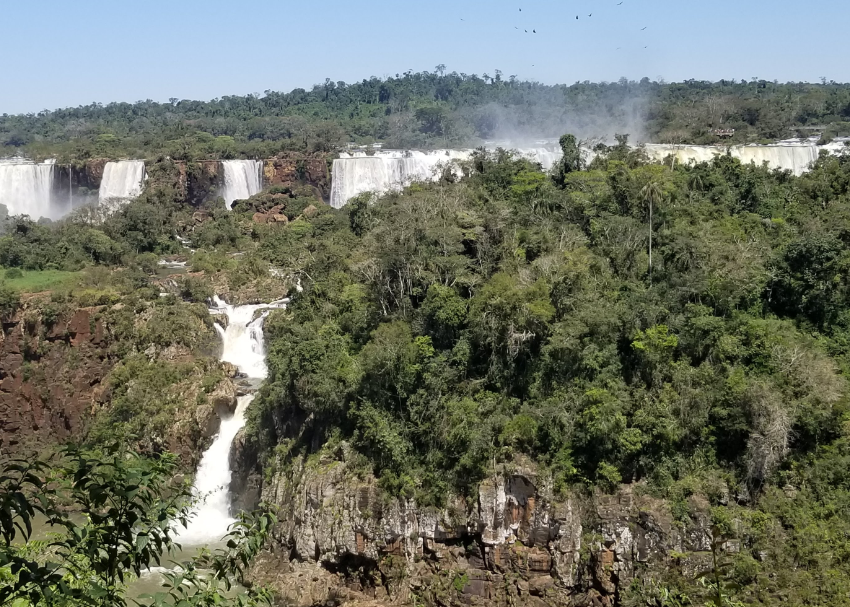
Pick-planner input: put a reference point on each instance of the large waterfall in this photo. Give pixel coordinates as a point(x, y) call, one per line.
point(242, 345)
point(242, 179)
point(26, 188)
point(122, 182)
point(386, 170)
point(794, 157)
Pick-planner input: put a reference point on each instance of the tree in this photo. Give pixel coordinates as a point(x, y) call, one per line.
point(116, 513)
point(570, 161)
point(432, 119)
point(652, 195)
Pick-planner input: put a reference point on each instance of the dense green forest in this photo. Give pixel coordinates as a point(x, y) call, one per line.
point(429, 109)
point(686, 329)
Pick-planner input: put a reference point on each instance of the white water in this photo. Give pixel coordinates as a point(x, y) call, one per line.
point(242, 345)
point(26, 188)
point(794, 157)
point(386, 170)
point(122, 182)
point(242, 179)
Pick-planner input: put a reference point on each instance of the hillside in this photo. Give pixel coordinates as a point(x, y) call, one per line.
point(513, 386)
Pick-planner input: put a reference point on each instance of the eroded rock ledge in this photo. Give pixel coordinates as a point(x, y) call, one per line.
point(341, 539)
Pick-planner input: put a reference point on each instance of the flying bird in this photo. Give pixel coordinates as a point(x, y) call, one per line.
point(590, 15)
point(535, 31)
point(619, 3)
point(643, 28)
point(576, 16)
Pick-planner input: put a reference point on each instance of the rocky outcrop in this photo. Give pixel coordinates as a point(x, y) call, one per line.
point(51, 378)
point(274, 215)
point(203, 180)
point(297, 169)
point(516, 543)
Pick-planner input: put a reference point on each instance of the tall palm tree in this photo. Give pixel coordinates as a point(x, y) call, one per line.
point(652, 195)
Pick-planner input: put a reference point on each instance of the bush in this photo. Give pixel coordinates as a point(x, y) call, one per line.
point(9, 301)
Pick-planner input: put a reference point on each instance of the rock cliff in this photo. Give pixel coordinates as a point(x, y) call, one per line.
point(341, 538)
point(58, 380)
point(51, 377)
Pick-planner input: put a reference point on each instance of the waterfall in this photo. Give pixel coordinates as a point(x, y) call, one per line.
point(122, 182)
point(242, 345)
point(26, 188)
point(796, 156)
point(386, 170)
point(242, 179)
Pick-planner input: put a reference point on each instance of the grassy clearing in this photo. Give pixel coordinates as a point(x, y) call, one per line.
point(36, 281)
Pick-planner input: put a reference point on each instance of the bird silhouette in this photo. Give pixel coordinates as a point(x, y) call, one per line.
point(619, 3)
point(590, 15)
point(643, 28)
point(526, 31)
point(576, 16)
point(534, 31)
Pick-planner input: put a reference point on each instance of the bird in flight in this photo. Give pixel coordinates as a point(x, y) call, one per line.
point(535, 31)
point(619, 3)
point(590, 15)
point(576, 16)
point(643, 28)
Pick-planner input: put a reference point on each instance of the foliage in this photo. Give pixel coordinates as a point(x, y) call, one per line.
point(417, 109)
point(115, 515)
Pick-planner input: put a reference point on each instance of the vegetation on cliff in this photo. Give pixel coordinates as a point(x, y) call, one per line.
point(460, 326)
point(428, 109)
point(684, 329)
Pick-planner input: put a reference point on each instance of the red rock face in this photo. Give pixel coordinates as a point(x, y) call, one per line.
point(94, 171)
point(50, 380)
point(298, 170)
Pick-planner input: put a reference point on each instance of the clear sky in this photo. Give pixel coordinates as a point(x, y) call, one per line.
point(57, 53)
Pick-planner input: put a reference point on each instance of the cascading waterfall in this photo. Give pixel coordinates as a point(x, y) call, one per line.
point(385, 170)
point(795, 156)
point(122, 182)
point(26, 188)
point(242, 179)
point(242, 345)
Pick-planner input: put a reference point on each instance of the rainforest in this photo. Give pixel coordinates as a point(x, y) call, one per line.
point(607, 374)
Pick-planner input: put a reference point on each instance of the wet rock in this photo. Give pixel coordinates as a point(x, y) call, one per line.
point(223, 398)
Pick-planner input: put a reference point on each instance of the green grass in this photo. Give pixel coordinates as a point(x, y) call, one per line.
point(40, 280)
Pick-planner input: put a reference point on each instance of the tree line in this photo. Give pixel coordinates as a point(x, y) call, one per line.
point(429, 109)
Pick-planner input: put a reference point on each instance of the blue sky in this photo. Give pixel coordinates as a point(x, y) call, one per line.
point(60, 53)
